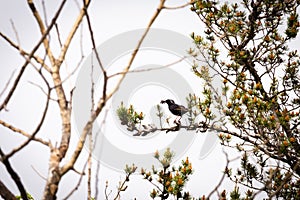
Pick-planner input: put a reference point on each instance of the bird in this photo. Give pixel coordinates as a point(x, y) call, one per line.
point(175, 109)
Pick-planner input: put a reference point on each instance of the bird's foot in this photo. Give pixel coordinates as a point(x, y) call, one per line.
point(178, 122)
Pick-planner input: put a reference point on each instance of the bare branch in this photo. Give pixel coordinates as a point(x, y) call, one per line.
point(122, 185)
point(34, 132)
point(25, 53)
point(156, 14)
point(93, 39)
point(62, 101)
point(45, 34)
point(72, 33)
point(64, 111)
point(14, 175)
point(6, 193)
point(16, 32)
point(42, 29)
point(223, 176)
point(101, 103)
point(78, 183)
point(57, 154)
point(38, 173)
point(105, 78)
point(17, 130)
point(41, 88)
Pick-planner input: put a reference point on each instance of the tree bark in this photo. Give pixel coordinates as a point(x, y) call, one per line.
point(5, 193)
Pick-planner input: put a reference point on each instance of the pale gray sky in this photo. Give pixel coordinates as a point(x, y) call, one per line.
point(109, 19)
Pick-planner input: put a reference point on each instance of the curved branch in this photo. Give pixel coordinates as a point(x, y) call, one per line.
point(156, 14)
point(34, 132)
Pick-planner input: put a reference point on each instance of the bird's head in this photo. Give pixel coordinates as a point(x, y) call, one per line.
point(168, 101)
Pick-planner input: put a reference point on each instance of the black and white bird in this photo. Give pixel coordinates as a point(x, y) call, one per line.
point(175, 109)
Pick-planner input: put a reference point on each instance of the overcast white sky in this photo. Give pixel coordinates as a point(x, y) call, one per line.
point(109, 19)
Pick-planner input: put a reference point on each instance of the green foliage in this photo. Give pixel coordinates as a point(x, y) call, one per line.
point(28, 197)
point(168, 180)
point(129, 117)
point(260, 87)
point(236, 195)
point(247, 45)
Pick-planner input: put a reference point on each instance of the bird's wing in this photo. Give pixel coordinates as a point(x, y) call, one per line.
point(178, 108)
point(181, 108)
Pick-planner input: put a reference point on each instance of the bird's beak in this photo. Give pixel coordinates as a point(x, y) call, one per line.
point(162, 101)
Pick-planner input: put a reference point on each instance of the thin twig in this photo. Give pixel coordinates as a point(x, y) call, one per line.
point(92, 37)
point(58, 35)
point(105, 78)
point(25, 53)
point(7, 83)
point(41, 88)
point(70, 74)
point(78, 183)
point(122, 186)
point(38, 173)
point(97, 133)
point(154, 17)
point(16, 32)
point(223, 176)
point(105, 191)
point(150, 69)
